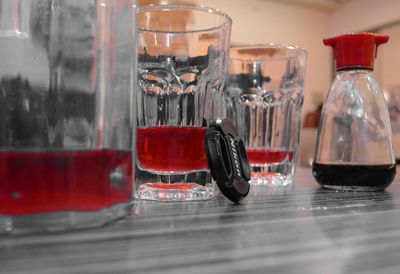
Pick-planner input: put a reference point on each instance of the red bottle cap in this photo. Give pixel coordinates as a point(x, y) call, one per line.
point(355, 50)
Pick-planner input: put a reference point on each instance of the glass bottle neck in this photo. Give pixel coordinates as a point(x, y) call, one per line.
point(370, 69)
point(354, 72)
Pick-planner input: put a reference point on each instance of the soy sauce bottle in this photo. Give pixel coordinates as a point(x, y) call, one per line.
point(354, 142)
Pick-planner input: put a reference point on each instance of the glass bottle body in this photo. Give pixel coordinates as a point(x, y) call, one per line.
point(354, 142)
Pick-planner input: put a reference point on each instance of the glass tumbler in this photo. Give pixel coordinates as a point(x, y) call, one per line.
point(182, 76)
point(265, 97)
point(66, 112)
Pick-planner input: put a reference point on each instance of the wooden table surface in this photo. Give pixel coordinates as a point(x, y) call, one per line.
point(298, 229)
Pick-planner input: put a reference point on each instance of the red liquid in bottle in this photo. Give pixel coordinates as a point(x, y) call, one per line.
point(171, 149)
point(33, 182)
point(260, 157)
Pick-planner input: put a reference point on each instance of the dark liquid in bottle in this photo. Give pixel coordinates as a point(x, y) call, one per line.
point(376, 177)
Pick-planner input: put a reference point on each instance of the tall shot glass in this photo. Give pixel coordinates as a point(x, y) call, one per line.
point(265, 97)
point(182, 76)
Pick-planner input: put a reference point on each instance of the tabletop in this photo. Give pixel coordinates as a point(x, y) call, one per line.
point(297, 229)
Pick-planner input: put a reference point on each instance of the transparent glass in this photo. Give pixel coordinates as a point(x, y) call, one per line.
point(265, 97)
point(354, 141)
point(66, 112)
point(182, 79)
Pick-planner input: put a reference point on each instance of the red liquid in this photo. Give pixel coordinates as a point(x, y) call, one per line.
point(258, 157)
point(167, 149)
point(63, 181)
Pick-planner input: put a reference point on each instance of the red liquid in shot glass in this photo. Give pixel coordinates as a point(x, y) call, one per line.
point(261, 157)
point(171, 149)
point(42, 182)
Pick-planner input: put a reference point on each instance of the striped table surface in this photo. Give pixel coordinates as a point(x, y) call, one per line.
point(297, 229)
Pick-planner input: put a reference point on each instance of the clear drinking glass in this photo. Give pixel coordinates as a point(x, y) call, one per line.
point(265, 97)
point(182, 70)
point(66, 112)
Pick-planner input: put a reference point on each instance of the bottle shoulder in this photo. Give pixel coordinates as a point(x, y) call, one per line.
point(359, 80)
point(355, 76)
point(355, 93)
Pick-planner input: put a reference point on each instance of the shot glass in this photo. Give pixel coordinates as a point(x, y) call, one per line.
point(66, 113)
point(265, 97)
point(182, 76)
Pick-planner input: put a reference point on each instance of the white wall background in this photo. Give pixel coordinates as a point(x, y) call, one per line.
point(362, 15)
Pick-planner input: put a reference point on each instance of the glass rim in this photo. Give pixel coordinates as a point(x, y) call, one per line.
point(301, 52)
point(152, 7)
